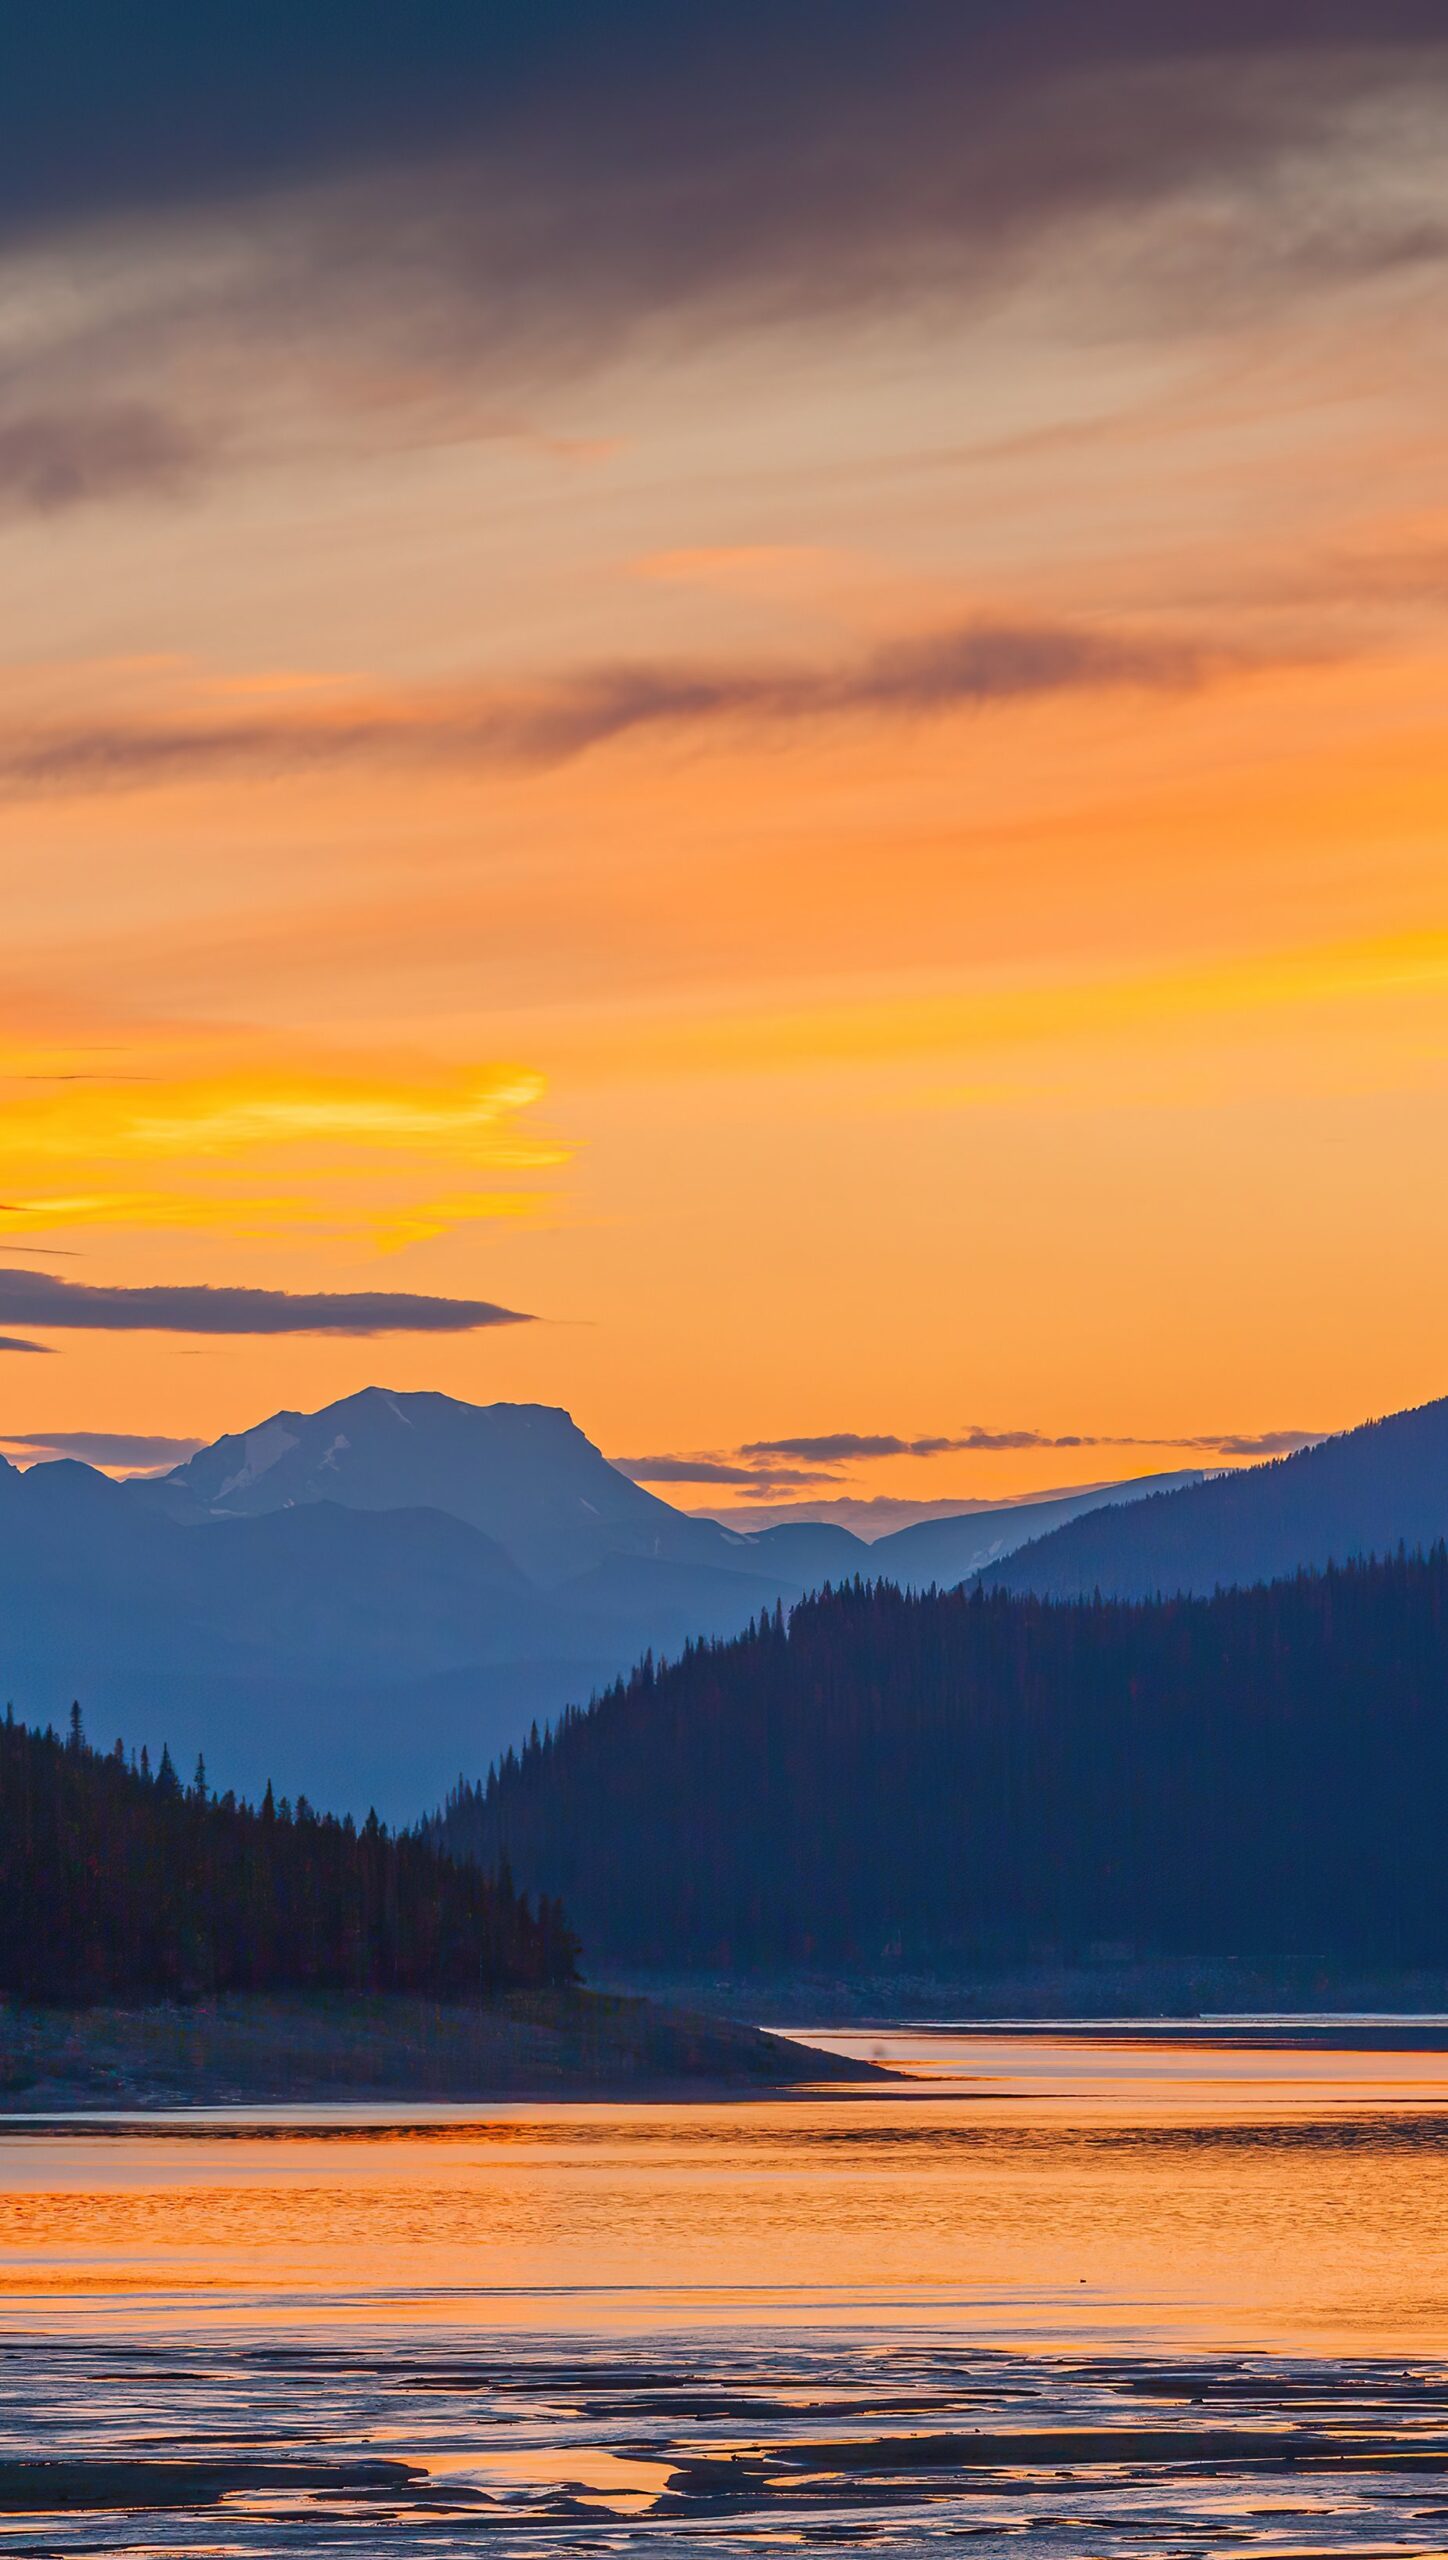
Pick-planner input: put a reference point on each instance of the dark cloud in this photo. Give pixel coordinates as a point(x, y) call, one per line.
point(13, 1342)
point(843, 1446)
point(1258, 1444)
point(666, 1470)
point(514, 190)
point(52, 459)
point(38, 1298)
point(848, 1444)
point(855, 1445)
point(137, 106)
point(678, 1470)
point(101, 1448)
point(979, 665)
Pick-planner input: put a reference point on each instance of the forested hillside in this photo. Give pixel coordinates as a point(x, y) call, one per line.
point(115, 1881)
point(1260, 1773)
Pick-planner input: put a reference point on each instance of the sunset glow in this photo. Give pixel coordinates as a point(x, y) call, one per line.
point(851, 816)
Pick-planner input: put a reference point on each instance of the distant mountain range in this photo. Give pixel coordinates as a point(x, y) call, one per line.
point(878, 1515)
point(363, 1602)
point(941, 1553)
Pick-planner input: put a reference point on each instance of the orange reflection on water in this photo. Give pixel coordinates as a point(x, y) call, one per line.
point(1038, 2187)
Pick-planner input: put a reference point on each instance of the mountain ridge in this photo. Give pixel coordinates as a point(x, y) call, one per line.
point(360, 1602)
point(523, 1474)
point(1366, 1491)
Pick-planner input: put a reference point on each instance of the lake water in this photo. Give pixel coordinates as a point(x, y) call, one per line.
point(1118, 2291)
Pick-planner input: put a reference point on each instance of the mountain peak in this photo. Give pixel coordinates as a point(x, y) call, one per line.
point(407, 1404)
point(522, 1473)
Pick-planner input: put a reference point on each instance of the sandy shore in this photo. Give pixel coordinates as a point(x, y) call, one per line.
point(280, 2049)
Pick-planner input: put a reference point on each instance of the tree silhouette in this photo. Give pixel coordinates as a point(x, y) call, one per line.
point(967, 1775)
point(114, 1883)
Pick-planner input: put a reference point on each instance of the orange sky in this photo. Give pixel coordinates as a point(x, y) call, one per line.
point(875, 871)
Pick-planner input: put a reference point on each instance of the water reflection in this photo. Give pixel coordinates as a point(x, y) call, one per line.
point(1082, 2289)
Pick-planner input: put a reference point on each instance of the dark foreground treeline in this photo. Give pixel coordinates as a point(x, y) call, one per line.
point(117, 1883)
point(1263, 1773)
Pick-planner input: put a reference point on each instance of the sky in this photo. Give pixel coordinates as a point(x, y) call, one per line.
point(734, 717)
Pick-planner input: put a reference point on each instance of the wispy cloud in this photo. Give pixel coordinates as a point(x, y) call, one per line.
point(1258, 1444)
point(851, 1446)
point(811, 1458)
point(388, 1151)
point(872, 1444)
point(683, 1470)
point(529, 188)
point(13, 1342)
point(55, 459)
point(978, 665)
point(39, 1298)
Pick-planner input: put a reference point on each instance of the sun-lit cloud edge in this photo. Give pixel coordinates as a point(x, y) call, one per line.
point(1080, 1015)
point(271, 1150)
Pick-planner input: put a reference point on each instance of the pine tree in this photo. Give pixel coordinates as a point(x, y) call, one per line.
point(114, 1884)
point(961, 1773)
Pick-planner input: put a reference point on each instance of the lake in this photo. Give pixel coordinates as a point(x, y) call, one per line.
point(1107, 2290)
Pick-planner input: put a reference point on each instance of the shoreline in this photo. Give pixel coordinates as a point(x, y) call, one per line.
point(324, 2049)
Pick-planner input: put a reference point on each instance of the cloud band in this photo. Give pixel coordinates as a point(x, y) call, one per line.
point(815, 1458)
point(39, 1298)
point(978, 665)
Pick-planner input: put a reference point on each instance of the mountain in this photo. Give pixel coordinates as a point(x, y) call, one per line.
point(815, 1550)
point(946, 1548)
point(875, 1516)
point(1364, 1493)
point(906, 1782)
point(524, 1474)
point(945, 1552)
point(358, 1603)
point(291, 1647)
